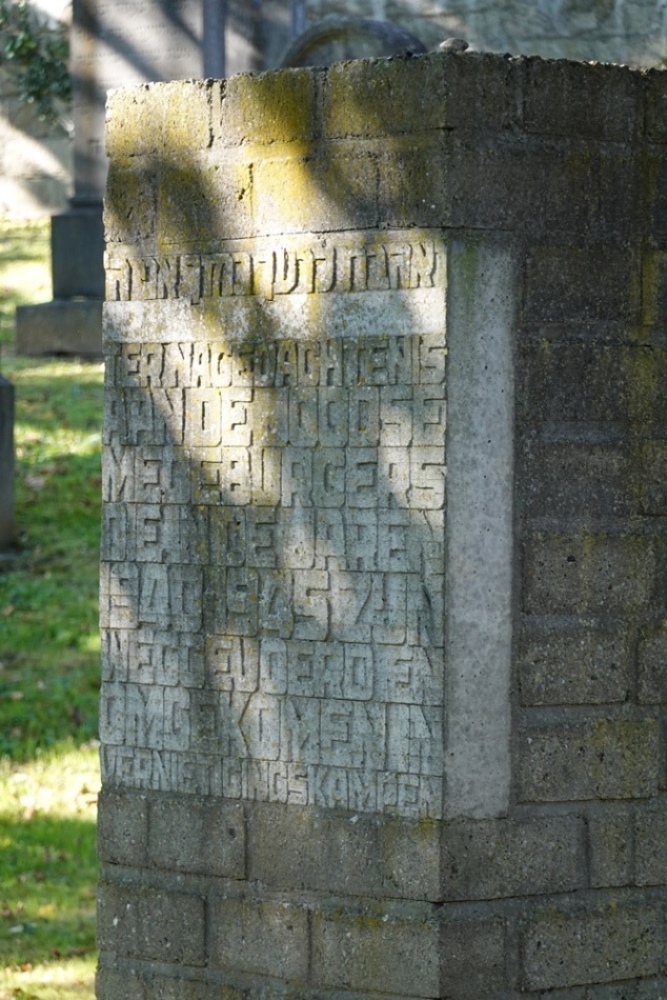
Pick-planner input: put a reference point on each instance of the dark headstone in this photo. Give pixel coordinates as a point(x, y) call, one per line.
point(77, 248)
point(6, 462)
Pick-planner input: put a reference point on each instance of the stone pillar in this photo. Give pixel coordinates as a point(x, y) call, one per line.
point(6, 462)
point(382, 605)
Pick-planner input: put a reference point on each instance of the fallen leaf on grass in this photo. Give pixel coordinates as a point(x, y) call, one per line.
point(9, 610)
point(23, 967)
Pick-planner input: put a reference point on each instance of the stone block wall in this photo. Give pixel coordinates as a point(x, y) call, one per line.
point(370, 730)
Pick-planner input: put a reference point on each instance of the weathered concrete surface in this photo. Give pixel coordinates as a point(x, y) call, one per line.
point(479, 547)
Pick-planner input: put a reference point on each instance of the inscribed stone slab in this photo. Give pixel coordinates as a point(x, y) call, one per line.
point(272, 598)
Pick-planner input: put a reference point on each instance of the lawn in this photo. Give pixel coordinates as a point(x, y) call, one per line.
point(49, 655)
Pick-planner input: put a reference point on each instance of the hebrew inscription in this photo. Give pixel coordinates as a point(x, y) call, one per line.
point(273, 564)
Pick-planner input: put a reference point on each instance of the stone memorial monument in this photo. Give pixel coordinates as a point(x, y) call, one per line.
point(383, 605)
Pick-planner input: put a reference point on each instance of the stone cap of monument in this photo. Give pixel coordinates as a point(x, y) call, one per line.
point(396, 134)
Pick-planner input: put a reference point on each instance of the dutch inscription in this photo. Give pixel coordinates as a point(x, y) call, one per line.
point(273, 560)
point(321, 266)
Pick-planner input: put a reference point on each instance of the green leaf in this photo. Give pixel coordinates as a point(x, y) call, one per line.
point(37, 53)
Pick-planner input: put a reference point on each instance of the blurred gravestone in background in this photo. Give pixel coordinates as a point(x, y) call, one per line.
point(339, 38)
point(6, 462)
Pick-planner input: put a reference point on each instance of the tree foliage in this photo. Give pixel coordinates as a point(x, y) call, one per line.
point(36, 51)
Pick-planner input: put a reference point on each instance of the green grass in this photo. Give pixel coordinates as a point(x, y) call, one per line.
point(48, 875)
point(49, 656)
point(49, 639)
point(25, 275)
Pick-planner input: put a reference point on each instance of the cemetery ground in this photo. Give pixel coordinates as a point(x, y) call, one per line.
point(49, 655)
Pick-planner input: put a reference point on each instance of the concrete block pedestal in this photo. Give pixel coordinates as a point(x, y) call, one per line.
point(381, 613)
